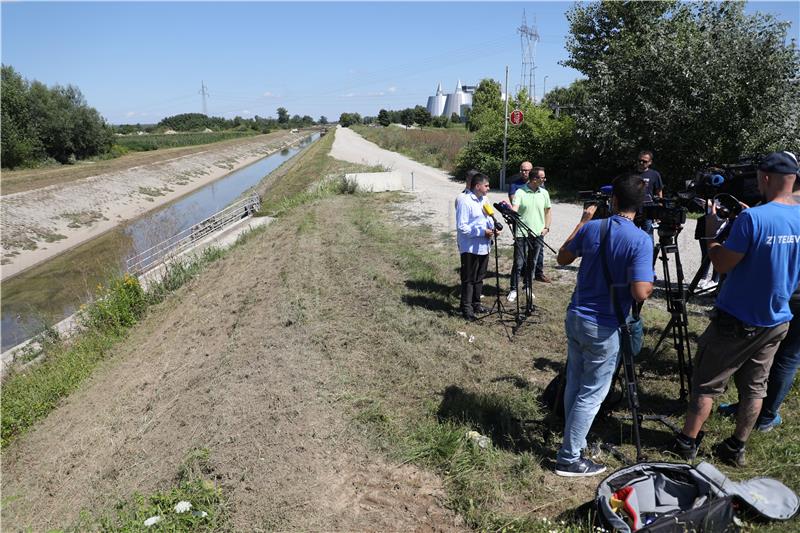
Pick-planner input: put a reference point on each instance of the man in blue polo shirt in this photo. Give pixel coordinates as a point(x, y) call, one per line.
point(592, 328)
point(761, 257)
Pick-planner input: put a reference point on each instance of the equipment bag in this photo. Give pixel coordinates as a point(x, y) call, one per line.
point(660, 497)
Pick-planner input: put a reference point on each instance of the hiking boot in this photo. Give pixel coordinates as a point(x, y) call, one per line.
point(685, 450)
point(580, 468)
point(480, 310)
point(469, 317)
point(728, 409)
point(543, 278)
point(512, 297)
point(768, 425)
point(726, 453)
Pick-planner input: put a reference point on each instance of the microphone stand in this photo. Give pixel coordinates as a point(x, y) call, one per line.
point(497, 306)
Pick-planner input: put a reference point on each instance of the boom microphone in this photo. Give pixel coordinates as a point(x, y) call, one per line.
point(489, 212)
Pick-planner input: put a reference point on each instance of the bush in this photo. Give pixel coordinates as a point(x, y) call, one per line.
point(119, 306)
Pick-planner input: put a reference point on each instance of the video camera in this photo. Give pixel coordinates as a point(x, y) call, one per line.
point(737, 180)
point(667, 211)
point(601, 199)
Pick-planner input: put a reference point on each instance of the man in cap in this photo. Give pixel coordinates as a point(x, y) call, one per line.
point(761, 257)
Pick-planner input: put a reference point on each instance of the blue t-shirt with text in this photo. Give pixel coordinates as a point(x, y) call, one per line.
point(629, 255)
point(758, 289)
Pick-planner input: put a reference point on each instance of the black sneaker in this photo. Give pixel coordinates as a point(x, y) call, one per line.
point(684, 450)
point(580, 468)
point(469, 317)
point(728, 454)
point(480, 310)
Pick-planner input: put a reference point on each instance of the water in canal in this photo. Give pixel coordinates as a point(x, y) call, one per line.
point(52, 291)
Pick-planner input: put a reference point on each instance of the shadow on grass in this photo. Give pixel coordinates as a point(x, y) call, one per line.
point(492, 417)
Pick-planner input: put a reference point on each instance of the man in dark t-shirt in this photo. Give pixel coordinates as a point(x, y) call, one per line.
point(653, 186)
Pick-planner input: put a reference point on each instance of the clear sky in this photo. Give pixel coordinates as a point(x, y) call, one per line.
point(142, 61)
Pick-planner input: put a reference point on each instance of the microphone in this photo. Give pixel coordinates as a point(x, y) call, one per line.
point(505, 209)
point(488, 211)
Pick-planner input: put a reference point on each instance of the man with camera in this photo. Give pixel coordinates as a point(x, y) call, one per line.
point(475, 231)
point(761, 257)
point(609, 248)
point(532, 203)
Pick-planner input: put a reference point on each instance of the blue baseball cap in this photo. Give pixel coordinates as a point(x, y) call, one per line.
point(779, 163)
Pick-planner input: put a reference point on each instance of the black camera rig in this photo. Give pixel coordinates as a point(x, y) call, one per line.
point(601, 199)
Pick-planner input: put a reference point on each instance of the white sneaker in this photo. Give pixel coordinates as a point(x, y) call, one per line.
point(512, 297)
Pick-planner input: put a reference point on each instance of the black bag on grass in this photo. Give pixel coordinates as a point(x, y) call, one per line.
point(674, 497)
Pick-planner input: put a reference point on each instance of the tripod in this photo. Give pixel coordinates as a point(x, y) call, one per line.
point(678, 325)
point(497, 306)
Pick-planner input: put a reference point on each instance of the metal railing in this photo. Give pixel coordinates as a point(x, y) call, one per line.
point(169, 248)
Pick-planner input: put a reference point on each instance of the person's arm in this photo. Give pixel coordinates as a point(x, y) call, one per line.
point(565, 255)
point(641, 290)
point(641, 272)
point(548, 220)
point(725, 258)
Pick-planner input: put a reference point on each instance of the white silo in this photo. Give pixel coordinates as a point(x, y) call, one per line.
point(456, 100)
point(436, 103)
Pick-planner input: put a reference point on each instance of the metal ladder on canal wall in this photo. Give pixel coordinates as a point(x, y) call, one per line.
point(171, 247)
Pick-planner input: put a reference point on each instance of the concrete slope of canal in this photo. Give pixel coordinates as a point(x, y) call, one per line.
point(52, 290)
point(41, 223)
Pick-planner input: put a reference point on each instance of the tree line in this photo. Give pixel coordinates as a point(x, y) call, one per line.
point(41, 124)
point(696, 83)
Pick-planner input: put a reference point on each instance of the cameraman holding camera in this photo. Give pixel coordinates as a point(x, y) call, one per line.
point(592, 327)
point(761, 258)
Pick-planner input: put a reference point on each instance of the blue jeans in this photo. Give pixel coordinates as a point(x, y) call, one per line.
point(592, 354)
point(784, 367)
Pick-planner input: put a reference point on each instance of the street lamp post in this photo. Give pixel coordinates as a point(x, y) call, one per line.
point(544, 88)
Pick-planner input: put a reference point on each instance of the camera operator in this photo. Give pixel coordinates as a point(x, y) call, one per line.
point(475, 232)
point(592, 328)
point(532, 202)
point(653, 185)
point(761, 258)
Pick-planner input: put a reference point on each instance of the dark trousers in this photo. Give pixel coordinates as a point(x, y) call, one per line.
point(473, 270)
point(534, 251)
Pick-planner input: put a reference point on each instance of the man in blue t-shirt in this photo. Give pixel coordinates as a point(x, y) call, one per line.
point(592, 328)
point(761, 257)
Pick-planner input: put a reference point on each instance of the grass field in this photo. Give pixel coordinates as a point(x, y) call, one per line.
point(436, 147)
point(143, 143)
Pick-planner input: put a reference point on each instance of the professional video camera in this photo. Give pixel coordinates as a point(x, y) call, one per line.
point(738, 180)
point(601, 199)
point(667, 211)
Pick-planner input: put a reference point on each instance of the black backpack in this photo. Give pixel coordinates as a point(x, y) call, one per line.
point(674, 497)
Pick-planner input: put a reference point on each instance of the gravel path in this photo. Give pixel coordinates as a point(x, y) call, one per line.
point(435, 191)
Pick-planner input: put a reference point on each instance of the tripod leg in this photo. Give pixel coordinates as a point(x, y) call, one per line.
point(632, 391)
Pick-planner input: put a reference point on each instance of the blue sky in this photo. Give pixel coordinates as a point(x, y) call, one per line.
point(142, 61)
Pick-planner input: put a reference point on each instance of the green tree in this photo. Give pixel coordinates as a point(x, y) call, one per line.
point(383, 118)
point(20, 143)
point(487, 105)
point(323, 119)
point(567, 99)
point(407, 117)
point(348, 119)
point(693, 82)
point(422, 116)
point(283, 115)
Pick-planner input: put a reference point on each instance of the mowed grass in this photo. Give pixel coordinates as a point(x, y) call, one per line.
point(417, 378)
point(436, 147)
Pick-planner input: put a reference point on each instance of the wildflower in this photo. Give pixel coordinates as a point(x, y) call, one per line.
point(152, 520)
point(182, 506)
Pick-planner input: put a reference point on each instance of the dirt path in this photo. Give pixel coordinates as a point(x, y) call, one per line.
point(40, 223)
point(435, 192)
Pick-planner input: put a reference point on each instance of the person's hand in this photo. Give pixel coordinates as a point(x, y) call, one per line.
point(545, 231)
point(490, 233)
point(588, 213)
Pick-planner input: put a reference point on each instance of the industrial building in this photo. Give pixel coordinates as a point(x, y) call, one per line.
point(456, 102)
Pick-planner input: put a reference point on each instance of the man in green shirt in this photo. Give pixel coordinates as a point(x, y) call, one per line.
point(532, 202)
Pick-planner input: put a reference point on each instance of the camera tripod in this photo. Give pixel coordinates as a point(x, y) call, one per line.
point(678, 325)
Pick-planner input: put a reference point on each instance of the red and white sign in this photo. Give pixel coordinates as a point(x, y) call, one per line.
point(516, 117)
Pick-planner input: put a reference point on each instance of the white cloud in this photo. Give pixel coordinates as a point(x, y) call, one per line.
point(349, 95)
point(392, 89)
point(131, 114)
point(270, 94)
